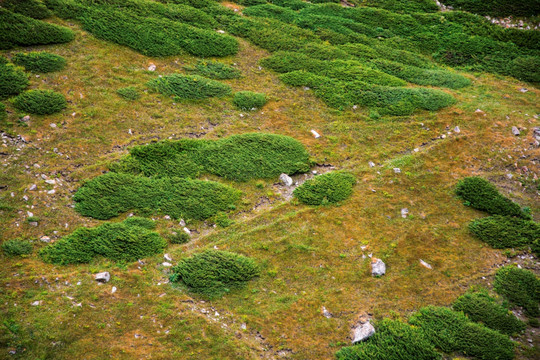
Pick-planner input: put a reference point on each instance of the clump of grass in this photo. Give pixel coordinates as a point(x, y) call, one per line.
point(483, 195)
point(129, 93)
point(178, 237)
point(129, 240)
point(214, 70)
point(452, 331)
point(481, 307)
point(17, 247)
point(31, 8)
point(40, 102)
point(248, 100)
point(521, 287)
point(13, 80)
point(328, 188)
point(505, 232)
point(190, 87)
point(40, 62)
point(112, 194)
point(214, 273)
point(393, 340)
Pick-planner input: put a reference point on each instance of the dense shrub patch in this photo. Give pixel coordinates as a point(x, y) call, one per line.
point(238, 157)
point(178, 237)
point(393, 340)
point(214, 70)
point(521, 287)
point(17, 247)
point(129, 93)
point(526, 68)
point(481, 307)
point(328, 188)
point(31, 8)
point(129, 240)
point(112, 194)
point(452, 331)
point(403, 6)
point(249, 100)
point(505, 232)
point(214, 273)
point(190, 87)
point(40, 102)
point(3, 114)
point(40, 62)
point(498, 7)
point(483, 195)
point(13, 80)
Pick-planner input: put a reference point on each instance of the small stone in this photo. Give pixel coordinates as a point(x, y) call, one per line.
point(509, 176)
point(515, 131)
point(50, 192)
point(167, 257)
point(378, 267)
point(37, 303)
point(220, 31)
point(327, 314)
point(404, 213)
point(315, 134)
point(523, 90)
point(397, 170)
point(26, 118)
point(167, 217)
point(416, 149)
point(285, 179)
point(32, 187)
point(113, 290)
point(457, 130)
point(45, 239)
point(243, 326)
point(152, 67)
point(53, 125)
point(371, 164)
point(51, 182)
point(187, 231)
point(102, 277)
point(362, 331)
point(166, 264)
point(425, 264)
point(478, 111)
point(182, 222)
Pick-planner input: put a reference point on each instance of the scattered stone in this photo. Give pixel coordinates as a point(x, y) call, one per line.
point(187, 231)
point(285, 180)
point(103, 277)
point(51, 182)
point(37, 303)
point(404, 213)
point(220, 31)
point(371, 164)
point(397, 170)
point(182, 222)
point(536, 133)
point(152, 67)
point(478, 111)
point(45, 239)
point(362, 331)
point(416, 149)
point(523, 90)
point(425, 264)
point(378, 267)
point(509, 176)
point(457, 130)
point(50, 192)
point(167, 257)
point(316, 134)
point(167, 264)
point(167, 217)
point(113, 290)
point(327, 314)
point(32, 187)
point(26, 118)
point(515, 131)
point(53, 125)
point(243, 326)
point(29, 213)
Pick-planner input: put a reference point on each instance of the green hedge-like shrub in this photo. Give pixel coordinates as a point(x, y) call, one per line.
point(483, 195)
point(112, 194)
point(393, 340)
point(328, 188)
point(521, 287)
point(481, 307)
point(40, 62)
point(129, 93)
point(40, 102)
point(505, 232)
point(130, 240)
point(190, 87)
point(214, 70)
point(31, 8)
point(526, 68)
point(403, 6)
point(178, 237)
point(16, 29)
point(3, 114)
point(238, 157)
point(452, 331)
point(17, 247)
point(498, 7)
point(13, 80)
point(214, 273)
point(248, 100)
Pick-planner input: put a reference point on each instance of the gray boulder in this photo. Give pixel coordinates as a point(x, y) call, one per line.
point(362, 331)
point(285, 180)
point(378, 267)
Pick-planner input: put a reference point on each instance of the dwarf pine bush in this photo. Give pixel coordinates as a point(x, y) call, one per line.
point(248, 100)
point(40, 62)
point(521, 287)
point(13, 80)
point(526, 68)
point(498, 7)
point(3, 114)
point(178, 237)
point(505, 232)
point(214, 70)
point(40, 102)
point(31, 8)
point(328, 188)
point(191, 87)
point(213, 273)
point(129, 93)
point(17, 247)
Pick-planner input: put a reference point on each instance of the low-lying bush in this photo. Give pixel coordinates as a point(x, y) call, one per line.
point(483, 195)
point(31, 8)
point(129, 240)
point(505, 232)
point(526, 68)
point(178, 237)
point(521, 287)
point(498, 7)
point(40, 62)
point(40, 102)
point(214, 70)
point(17, 247)
point(403, 6)
point(451, 331)
point(112, 194)
point(249, 100)
point(3, 114)
point(481, 307)
point(328, 188)
point(365, 52)
point(214, 273)
point(13, 80)
point(190, 87)
point(129, 93)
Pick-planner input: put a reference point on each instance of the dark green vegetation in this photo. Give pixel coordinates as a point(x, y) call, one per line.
point(214, 70)
point(249, 100)
point(452, 331)
point(480, 194)
point(40, 102)
point(214, 273)
point(498, 7)
point(506, 232)
point(191, 87)
point(178, 237)
point(17, 247)
point(521, 287)
point(129, 240)
point(238, 157)
point(13, 80)
point(129, 93)
point(112, 194)
point(31, 8)
point(3, 114)
point(526, 68)
point(393, 340)
point(482, 308)
point(328, 188)
point(17, 29)
point(40, 62)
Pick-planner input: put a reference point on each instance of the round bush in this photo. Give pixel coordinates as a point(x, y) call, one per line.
point(248, 100)
point(17, 247)
point(40, 102)
point(189, 86)
point(521, 287)
point(13, 80)
point(178, 237)
point(526, 68)
point(328, 188)
point(40, 62)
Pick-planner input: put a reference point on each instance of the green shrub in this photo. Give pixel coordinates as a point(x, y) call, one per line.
point(190, 87)
point(521, 287)
point(248, 100)
point(13, 80)
point(451, 331)
point(498, 7)
point(222, 220)
point(238, 157)
point(129, 93)
point(214, 273)
point(40, 102)
point(483, 195)
point(178, 237)
point(214, 70)
point(31, 8)
point(16, 29)
point(130, 240)
point(393, 340)
point(328, 188)
point(481, 307)
point(526, 68)
point(40, 62)
point(17, 247)
point(372, 51)
point(112, 194)
point(3, 114)
point(505, 232)
point(403, 6)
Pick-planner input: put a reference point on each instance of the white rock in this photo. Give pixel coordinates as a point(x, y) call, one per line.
point(50, 192)
point(515, 131)
point(32, 187)
point(425, 264)
point(102, 277)
point(523, 90)
point(167, 217)
point(53, 125)
point(327, 314)
point(37, 303)
point(220, 31)
point(316, 134)
point(457, 130)
point(371, 164)
point(152, 67)
point(51, 182)
point(182, 222)
point(30, 214)
point(26, 118)
point(285, 179)
point(187, 231)
point(45, 239)
point(397, 170)
point(362, 331)
point(404, 212)
point(113, 290)
point(167, 257)
point(378, 267)
point(167, 264)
